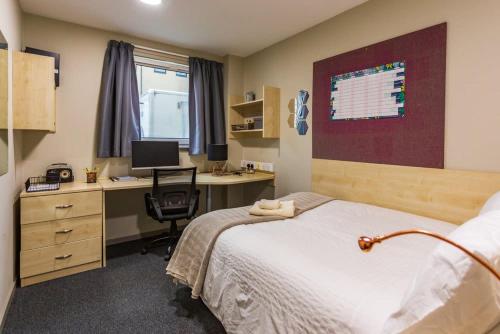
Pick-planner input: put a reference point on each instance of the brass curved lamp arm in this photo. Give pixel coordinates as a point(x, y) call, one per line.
point(366, 244)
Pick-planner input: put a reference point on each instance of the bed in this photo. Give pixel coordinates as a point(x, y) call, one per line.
point(307, 274)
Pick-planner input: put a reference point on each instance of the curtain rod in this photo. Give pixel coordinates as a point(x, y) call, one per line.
point(160, 51)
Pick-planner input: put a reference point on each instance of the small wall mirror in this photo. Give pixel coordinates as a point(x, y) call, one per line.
point(4, 93)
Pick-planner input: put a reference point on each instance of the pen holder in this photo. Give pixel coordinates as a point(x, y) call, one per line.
point(91, 177)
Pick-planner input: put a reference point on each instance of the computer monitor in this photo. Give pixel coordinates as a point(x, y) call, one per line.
point(154, 154)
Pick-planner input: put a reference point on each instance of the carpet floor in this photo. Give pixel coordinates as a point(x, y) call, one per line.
point(131, 295)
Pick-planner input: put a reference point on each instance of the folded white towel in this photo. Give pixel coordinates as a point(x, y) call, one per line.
point(286, 209)
point(267, 204)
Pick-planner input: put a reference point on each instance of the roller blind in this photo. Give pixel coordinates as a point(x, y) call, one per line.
point(168, 61)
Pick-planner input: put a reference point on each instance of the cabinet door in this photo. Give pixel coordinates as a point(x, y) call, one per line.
point(3, 89)
point(34, 92)
point(271, 112)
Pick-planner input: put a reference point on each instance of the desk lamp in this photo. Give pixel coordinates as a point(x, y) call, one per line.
point(218, 153)
point(366, 244)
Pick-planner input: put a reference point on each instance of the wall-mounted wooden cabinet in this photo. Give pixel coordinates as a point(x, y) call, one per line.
point(268, 108)
point(34, 93)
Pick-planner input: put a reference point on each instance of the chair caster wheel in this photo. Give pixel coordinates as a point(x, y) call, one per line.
point(170, 250)
point(144, 251)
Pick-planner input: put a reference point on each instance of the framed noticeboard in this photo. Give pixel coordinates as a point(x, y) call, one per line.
point(383, 103)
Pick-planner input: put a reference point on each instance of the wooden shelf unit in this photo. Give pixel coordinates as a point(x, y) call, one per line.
point(243, 131)
point(245, 105)
point(268, 107)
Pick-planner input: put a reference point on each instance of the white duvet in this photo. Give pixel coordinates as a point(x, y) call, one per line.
point(307, 274)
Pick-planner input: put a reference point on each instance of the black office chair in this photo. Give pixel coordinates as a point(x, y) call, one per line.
point(172, 199)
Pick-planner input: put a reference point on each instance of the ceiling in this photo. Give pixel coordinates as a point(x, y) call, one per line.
point(220, 27)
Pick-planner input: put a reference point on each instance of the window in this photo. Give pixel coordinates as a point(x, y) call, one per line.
point(163, 96)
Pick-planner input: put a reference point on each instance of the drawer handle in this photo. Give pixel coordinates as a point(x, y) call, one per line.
point(63, 257)
point(64, 206)
point(67, 230)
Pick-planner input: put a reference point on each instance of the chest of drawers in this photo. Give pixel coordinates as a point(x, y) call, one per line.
point(61, 232)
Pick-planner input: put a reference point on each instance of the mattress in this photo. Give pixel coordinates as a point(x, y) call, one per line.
point(307, 274)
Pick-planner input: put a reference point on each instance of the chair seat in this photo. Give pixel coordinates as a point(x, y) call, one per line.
point(174, 208)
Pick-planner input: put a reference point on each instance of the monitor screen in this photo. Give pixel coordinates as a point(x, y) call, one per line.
point(154, 154)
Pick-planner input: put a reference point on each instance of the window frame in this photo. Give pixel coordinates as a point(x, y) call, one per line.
point(146, 61)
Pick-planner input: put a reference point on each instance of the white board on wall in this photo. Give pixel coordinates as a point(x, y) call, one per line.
point(372, 93)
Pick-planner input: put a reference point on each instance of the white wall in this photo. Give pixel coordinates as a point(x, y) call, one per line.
point(82, 52)
point(10, 25)
point(472, 135)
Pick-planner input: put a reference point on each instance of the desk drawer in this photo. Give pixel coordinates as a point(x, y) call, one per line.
point(60, 231)
point(47, 259)
point(61, 206)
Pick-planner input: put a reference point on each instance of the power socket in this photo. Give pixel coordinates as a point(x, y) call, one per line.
point(265, 166)
point(268, 167)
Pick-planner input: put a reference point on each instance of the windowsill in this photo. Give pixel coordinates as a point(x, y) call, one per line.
point(183, 143)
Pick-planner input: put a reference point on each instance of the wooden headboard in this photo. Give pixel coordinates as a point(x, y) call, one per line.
point(450, 195)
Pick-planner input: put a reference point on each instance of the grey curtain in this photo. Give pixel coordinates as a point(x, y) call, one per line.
point(206, 105)
point(118, 107)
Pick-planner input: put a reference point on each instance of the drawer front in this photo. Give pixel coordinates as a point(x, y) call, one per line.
point(60, 231)
point(47, 259)
point(61, 206)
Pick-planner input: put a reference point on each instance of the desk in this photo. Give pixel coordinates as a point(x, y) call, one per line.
point(70, 224)
point(202, 179)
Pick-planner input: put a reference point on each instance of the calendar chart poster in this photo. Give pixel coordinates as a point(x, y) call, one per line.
point(371, 93)
point(383, 103)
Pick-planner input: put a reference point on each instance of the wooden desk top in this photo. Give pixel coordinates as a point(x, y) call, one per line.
point(201, 179)
point(108, 185)
point(70, 187)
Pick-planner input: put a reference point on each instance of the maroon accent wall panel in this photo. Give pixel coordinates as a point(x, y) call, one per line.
point(417, 139)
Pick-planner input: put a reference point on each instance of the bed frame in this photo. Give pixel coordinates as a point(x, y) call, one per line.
point(454, 196)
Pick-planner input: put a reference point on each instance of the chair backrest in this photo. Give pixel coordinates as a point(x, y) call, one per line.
point(174, 185)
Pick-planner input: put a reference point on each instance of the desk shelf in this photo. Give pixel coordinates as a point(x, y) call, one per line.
point(255, 133)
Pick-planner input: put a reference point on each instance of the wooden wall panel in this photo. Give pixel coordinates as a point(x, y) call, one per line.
point(450, 195)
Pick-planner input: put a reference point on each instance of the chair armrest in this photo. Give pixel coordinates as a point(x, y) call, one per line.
point(152, 206)
point(193, 203)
